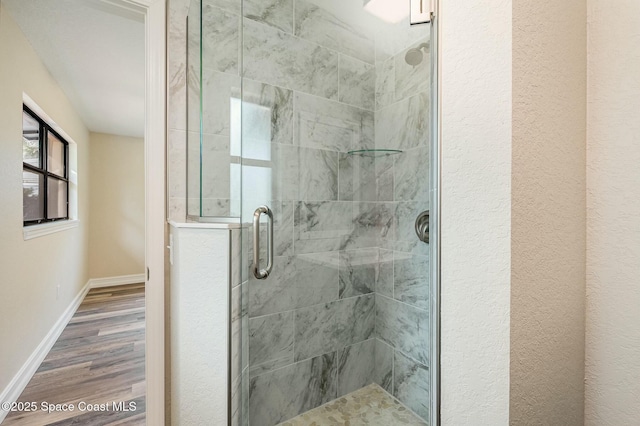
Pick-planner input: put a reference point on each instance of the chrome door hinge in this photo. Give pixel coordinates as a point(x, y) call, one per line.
point(422, 11)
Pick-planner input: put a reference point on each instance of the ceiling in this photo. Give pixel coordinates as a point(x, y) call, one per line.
point(94, 49)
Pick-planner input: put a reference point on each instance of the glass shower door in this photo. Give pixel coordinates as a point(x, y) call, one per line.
point(309, 121)
point(330, 158)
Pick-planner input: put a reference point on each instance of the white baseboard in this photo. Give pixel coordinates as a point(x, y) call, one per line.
point(13, 390)
point(113, 281)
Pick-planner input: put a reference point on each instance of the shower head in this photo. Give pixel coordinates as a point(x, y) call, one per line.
point(414, 56)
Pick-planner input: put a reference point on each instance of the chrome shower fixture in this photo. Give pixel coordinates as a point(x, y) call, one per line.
point(414, 56)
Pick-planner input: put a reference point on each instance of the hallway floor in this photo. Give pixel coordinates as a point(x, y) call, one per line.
point(98, 359)
point(370, 405)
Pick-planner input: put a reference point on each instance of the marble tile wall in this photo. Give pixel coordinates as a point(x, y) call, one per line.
point(177, 110)
point(347, 303)
point(402, 102)
point(312, 322)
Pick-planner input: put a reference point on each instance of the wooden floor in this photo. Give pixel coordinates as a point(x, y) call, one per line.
point(98, 359)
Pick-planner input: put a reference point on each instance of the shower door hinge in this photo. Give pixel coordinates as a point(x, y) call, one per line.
point(422, 11)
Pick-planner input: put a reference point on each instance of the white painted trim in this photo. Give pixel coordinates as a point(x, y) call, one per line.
point(155, 205)
point(16, 386)
point(119, 280)
point(35, 231)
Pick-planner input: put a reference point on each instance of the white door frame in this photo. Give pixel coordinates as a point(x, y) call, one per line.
point(155, 196)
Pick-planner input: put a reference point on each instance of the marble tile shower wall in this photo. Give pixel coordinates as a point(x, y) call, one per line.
point(402, 289)
point(348, 302)
point(176, 110)
point(312, 323)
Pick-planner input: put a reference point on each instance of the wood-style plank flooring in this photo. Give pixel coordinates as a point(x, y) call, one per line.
point(98, 359)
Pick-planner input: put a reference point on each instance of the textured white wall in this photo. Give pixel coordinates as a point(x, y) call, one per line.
point(613, 209)
point(117, 206)
point(548, 212)
point(31, 270)
point(199, 333)
point(476, 211)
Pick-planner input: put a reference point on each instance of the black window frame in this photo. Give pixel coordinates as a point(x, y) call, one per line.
point(44, 130)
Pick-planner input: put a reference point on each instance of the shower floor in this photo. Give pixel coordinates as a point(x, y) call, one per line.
point(370, 405)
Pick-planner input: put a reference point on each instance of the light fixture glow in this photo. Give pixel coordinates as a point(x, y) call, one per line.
point(392, 11)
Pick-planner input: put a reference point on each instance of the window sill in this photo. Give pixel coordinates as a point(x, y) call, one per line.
point(36, 231)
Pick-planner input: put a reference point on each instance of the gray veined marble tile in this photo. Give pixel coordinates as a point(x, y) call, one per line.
point(404, 124)
point(405, 238)
point(356, 366)
point(176, 67)
point(332, 326)
point(193, 164)
point(358, 272)
point(323, 219)
point(280, 59)
point(295, 282)
point(218, 92)
point(334, 29)
point(404, 327)
point(277, 13)
point(177, 163)
point(385, 184)
point(236, 257)
point(411, 279)
point(220, 39)
point(409, 79)
point(318, 179)
point(270, 365)
point(385, 83)
point(285, 170)
point(284, 393)
point(357, 82)
point(239, 330)
point(356, 178)
point(178, 209)
point(322, 123)
point(244, 415)
point(372, 222)
point(411, 384)
point(384, 277)
point(214, 207)
point(411, 175)
point(236, 401)
point(303, 173)
point(383, 372)
point(232, 6)
point(267, 114)
point(271, 340)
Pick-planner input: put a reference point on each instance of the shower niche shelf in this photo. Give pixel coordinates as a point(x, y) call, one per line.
point(374, 152)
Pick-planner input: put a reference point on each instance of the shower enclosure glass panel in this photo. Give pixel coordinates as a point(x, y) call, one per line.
point(318, 110)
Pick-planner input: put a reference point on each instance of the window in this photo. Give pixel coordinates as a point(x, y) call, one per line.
point(45, 172)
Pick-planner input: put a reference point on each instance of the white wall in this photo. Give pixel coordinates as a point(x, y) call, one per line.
point(117, 206)
point(613, 208)
point(32, 269)
point(548, 224)
point(476, 211)
point(199, 325)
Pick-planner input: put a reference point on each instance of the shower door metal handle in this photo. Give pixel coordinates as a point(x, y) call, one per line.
point(262, 274)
